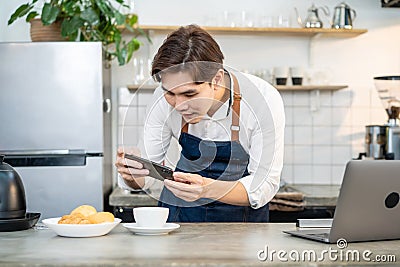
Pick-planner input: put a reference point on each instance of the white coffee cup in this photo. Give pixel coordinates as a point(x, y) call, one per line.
point(151, 217)
point(297, 74)
point(281, 74)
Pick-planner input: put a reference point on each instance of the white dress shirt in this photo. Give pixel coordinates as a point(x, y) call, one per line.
point(262, 122)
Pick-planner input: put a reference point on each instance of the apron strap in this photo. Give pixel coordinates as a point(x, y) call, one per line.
point(237, 96)
point(235, 127)
point(185, 126)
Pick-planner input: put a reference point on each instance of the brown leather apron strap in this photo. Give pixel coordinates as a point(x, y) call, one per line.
point(185, 126)
point(235, 126)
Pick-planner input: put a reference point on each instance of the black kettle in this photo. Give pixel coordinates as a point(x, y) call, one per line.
point(12, 193)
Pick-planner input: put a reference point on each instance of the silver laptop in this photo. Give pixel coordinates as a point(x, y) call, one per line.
point(368, 205)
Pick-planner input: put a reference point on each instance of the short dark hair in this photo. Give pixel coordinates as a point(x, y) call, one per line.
point(189, 44)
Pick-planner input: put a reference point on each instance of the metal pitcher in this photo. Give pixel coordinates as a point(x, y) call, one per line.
point(343, 17)
point(312, 20)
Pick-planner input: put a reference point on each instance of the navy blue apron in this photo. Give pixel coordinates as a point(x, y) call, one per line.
point(222, 160)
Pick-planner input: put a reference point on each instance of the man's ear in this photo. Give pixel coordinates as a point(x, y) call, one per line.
point(218, 79)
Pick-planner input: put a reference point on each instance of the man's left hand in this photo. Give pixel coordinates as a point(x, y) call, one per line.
point(187, 186)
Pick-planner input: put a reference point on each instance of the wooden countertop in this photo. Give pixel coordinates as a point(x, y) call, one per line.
point(205, 244)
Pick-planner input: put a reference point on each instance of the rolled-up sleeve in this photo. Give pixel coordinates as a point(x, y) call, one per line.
point(266, 146)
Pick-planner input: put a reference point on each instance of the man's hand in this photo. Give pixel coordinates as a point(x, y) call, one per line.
point(187, 186)
point(131, 171)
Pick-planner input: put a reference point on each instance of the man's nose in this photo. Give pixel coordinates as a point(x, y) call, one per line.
point(181, 104)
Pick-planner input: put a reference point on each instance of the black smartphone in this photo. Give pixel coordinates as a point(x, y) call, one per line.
point(156, 170)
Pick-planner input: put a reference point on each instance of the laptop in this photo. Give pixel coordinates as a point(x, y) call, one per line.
point(368, 205)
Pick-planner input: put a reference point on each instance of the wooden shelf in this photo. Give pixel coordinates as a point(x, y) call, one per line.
point(278, 87)
point(141, 87)
point(307, 32)
point(309, 87)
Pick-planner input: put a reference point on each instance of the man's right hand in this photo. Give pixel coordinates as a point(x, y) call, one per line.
point(131, 171)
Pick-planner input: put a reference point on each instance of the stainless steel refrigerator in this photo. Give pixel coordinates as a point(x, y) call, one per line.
point(51, 116)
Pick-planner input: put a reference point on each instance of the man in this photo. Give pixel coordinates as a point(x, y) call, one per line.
point(230, 127)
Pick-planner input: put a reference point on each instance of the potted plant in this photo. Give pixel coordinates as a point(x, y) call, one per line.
point(87, 20)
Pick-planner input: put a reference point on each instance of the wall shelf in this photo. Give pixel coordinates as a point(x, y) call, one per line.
point(141, 87)
point(297, 32)
point(278, 87)
point(309, 87)
point(307, 32)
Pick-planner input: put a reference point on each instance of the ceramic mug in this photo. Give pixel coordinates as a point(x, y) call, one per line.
point(297, 74)
point(151, 217)
point(281, 74)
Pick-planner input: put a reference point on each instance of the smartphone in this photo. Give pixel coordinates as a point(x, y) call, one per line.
point(156, 170)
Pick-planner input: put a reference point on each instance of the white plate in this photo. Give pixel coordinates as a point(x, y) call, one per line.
point(80, 230)
point(168, 227)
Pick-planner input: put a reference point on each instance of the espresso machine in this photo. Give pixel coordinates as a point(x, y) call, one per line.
point(383, 141)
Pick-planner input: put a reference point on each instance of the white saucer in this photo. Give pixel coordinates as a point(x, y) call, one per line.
point(134, 228)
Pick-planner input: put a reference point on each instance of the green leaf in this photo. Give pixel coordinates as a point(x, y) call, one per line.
point(72, 37)
point(20, 12)
point(142, 32)
point(70, 8)
point(31, 16)
point(49, 13)
point(124, 54)
point(90, 16)
point(132, 46)
point(71, 27)
point(132, 20)
point(119, 18)
point(104, 8)
point(117, 39)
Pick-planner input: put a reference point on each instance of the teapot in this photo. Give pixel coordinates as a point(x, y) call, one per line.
point(343, 17)
point(12, 193)
point(312, 20)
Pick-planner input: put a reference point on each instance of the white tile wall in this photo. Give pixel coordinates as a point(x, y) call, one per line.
point(319, 143)
point(341, 116)
point(321, 174)
point(289, 135)
point(302, 174)
point(302, 116)
point(322, 155)
point(322, 116)
point(129, 135)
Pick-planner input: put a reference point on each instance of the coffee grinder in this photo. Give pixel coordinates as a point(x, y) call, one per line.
point(383, 141)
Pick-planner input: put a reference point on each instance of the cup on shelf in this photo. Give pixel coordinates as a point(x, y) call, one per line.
point(281, 74)
point(318, 76)
point(231, 19)
point(297, 74)
point(265, 21)
point(139, 69)
point(265, 74)
point(248, 19)
point(282, 21)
